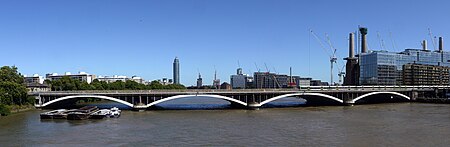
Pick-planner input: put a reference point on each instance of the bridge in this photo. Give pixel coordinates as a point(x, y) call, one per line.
point(253, 98)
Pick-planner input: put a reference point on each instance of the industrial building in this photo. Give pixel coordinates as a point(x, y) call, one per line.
point(386, 68)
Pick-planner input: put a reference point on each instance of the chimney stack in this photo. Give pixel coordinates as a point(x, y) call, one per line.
point(363, 32)
point(351, 47)
point(441, 44)
point(424, 45)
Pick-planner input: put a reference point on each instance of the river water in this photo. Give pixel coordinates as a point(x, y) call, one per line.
point(399, 124)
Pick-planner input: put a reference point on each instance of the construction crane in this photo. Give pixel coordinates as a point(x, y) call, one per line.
point(393, 42)
point(273, 77)
point(380, 39)
point(332, 56)
point(257, 68)
point(433, 40)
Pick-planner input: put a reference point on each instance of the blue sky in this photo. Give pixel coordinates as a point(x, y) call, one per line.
point(109, 37)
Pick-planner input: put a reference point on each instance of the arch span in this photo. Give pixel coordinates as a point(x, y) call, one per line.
point(87, 96)
point(205, 95)
point(302, 94)
point(375, 93)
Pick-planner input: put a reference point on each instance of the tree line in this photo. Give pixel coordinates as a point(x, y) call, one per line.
point(67, 84)
point(12, 89)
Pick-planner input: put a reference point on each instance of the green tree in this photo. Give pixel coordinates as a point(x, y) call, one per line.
point(12, 88)
point(85, 86)
point(97, 85)
point(155, 85)
point(117, 85)
point(4, 110)
point(10, 74)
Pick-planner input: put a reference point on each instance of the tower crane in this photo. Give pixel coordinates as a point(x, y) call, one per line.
point(273, 77)
point(433, 40)
point(380, 39)
point(332, 56)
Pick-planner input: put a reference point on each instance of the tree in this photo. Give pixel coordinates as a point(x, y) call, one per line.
point(85, 86)
point(117, 85)
point(97, 85)
point(155, 85)
point(12, 88)
point(10, 74)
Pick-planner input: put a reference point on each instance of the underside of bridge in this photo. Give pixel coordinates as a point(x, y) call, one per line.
point(198, 100)
point(382, 98)
point(314, 100)
point(73, 101)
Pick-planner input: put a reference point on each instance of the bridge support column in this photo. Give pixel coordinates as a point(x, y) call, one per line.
point(38, 101)
point(139, 108)
point(348, 101)
point(253, 105)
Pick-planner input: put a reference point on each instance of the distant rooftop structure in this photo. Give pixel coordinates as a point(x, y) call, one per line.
point(81, 76)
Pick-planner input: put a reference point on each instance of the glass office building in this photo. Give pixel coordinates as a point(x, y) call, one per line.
point(385, 68)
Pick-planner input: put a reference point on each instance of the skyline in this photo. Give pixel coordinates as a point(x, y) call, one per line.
point(145, 36)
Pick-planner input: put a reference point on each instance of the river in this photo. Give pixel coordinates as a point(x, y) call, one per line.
point(399, 124)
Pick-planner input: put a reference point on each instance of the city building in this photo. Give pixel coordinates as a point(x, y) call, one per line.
point(380, 67)
point(385, 68)
point(421, 74)
point(225, 85)
point(250, 82)
point(176, 71)
point(165, 81)
point(34, 79)
point(36, 83)
point(269, 80)
point(137, 79)
point(239, 81)
point(319, 83)
point(199, 81)
point(37, 87)
point(304, 82)
point(111, 79)
point(81, 76)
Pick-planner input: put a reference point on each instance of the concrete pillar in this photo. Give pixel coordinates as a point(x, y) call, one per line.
point(363, 32)
point(351, 46)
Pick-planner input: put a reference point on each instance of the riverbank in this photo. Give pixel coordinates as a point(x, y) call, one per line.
point(12, 109)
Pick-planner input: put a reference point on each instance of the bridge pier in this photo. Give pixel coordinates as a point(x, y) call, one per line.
point(139, 108)
point(253, 105)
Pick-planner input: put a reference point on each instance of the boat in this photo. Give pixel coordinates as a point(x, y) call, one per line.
point(115, 112)
point(100, 114)
point(52, 114)
point(82, 113)
point(109, 113)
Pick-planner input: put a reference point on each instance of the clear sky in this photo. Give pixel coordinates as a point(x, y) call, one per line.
point(110, 37)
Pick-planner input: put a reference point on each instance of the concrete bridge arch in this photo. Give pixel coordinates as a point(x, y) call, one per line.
point(377, 93)
point(87, 96)
point(308, 97)
point(232, 100)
